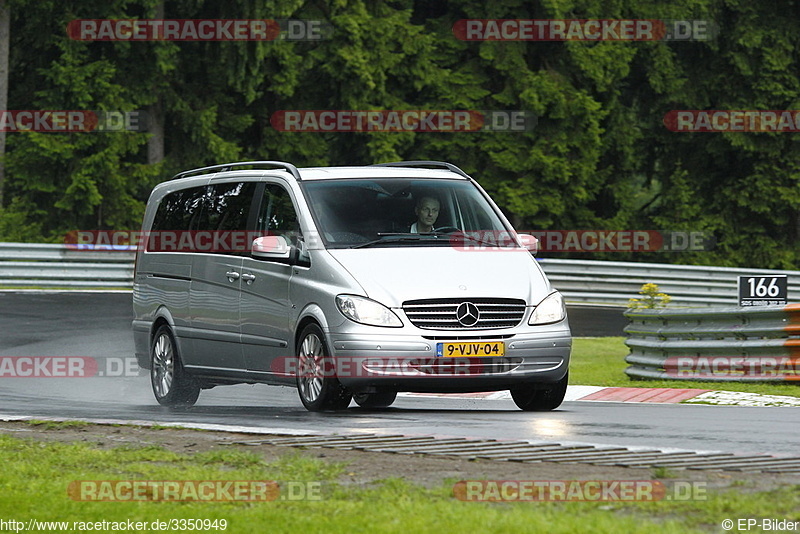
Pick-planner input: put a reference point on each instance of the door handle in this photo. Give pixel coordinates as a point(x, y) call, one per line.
point(248, 278)
point(232, 276)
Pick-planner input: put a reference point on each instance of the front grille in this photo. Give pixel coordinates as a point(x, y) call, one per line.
point(462, 337)
point(441, 314)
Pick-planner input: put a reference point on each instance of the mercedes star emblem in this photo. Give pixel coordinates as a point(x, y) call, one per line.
point(467, 314)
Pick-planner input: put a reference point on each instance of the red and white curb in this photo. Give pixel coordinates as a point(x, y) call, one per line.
point(648, 395)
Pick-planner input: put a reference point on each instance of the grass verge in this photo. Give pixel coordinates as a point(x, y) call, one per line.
point(36, 476)
point(57, 425)
point(600, 361)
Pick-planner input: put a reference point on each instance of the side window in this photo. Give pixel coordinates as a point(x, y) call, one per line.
point(227, 210)
point(186, 220)
point(180, 210)
point(228, 206)
point(277, 215)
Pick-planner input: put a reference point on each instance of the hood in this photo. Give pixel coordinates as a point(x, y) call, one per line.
point(393, 275)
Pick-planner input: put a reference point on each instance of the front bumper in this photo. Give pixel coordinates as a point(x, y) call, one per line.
point(409, 362)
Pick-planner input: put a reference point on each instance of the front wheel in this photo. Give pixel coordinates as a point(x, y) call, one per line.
point(171, 385)
point(539, 397)
point(317, 384)
point(380, 400)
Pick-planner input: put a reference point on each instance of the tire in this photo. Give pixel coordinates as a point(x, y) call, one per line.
point(539, 397)
point(317, 385)
point(171, 385)
point(375, 400)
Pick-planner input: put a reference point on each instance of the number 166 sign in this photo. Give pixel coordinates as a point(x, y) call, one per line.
point(763, 290)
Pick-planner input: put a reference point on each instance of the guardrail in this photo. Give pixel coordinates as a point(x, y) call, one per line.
point(585, 281)
point(615, 282)
point(720, 344)
point(57, 266)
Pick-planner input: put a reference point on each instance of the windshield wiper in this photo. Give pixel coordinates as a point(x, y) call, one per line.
point(399, 237)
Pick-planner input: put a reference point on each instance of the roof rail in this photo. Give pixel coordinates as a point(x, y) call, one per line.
point(228, 166)
point(441, 164)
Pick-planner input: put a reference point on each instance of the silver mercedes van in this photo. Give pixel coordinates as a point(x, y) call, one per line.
point(350, 283)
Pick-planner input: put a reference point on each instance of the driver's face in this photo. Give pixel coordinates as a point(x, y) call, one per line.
point(428, 211)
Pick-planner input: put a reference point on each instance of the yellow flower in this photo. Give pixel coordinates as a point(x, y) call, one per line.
point(653, 298)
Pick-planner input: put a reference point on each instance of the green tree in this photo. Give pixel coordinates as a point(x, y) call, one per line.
point(599, 158)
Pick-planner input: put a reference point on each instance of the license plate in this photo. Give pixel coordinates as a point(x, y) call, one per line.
point(476, 349)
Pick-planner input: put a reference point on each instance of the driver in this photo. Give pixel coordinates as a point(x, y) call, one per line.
point(427, 211)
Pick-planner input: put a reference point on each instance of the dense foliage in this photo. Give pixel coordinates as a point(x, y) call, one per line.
point(599, 158)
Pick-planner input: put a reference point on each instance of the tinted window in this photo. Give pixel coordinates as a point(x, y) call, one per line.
point(228, 206)
point(277, 215)
point(349, 212)
point(201, 219)
point(180, 210)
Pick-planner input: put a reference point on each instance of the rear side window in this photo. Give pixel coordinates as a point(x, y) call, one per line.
point(180, 210)
point(228, 206)
point(208, 219)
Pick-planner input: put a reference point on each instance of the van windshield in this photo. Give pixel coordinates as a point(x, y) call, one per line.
point(357, 213)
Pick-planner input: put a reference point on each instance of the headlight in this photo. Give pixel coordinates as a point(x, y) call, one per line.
point(366, 311)
point(550, 310)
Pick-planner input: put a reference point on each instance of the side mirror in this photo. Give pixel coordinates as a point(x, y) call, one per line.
point(271, 247)
point(529, 242)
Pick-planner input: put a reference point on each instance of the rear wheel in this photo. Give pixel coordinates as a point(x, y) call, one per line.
point(317, 384)
point(540, 397)
point(171, 385)
point(375, 400)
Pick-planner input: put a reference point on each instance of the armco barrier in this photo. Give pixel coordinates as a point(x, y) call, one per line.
point(719, 344)
point(615, 282)
point(585, 281)
point(57, 266)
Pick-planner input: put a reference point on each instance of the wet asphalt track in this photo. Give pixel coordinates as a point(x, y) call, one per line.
point(98, 326)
